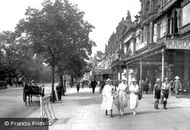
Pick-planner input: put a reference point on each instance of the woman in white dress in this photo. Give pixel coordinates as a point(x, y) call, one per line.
point(122, 96)
point(107, 103)
point(134, 89)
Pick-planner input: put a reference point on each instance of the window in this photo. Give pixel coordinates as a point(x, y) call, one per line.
point(143, 35)
point(155, 33)
point(162, 28)
point(185, 14)
point(148, 34)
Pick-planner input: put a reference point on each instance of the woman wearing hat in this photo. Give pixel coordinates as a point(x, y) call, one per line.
point(157, 92)
point(165, 91)
point(177, 85)
point(107, 103)
point(122, 96)
point(134, 90)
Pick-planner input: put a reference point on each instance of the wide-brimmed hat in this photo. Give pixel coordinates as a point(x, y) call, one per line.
point(108, 80)
point(177, 77)
point(166, 78)
point(158, 80)
point(133, 80)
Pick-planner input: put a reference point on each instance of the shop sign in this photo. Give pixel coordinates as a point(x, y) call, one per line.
point(149, 63)
point(178, 44)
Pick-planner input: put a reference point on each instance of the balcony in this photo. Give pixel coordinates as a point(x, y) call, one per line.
point(185, 29)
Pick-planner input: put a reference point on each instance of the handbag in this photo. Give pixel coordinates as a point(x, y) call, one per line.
point(139, 95)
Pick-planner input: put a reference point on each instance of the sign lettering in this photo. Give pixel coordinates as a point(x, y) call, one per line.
point(178, 44)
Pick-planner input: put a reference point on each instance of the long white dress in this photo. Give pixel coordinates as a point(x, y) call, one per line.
point(122, 95)
point(107, 103)
point(134, 101)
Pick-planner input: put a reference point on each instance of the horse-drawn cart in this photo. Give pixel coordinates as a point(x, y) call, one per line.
point(30, 90)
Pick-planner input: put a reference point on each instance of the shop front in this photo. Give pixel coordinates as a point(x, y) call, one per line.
point(169, 59)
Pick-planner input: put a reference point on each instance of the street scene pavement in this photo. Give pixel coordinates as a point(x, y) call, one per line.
point(81, 111)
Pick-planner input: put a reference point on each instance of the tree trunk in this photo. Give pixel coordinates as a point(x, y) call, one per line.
point(64, 88)
point(72, 82)
point(53, 78)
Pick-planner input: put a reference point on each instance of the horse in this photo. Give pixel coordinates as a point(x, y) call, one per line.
point(29, 90)
point(27, 94)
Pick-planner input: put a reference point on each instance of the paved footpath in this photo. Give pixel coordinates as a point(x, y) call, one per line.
point(81, 111)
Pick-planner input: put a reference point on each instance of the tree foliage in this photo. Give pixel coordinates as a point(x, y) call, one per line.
point(59, 33)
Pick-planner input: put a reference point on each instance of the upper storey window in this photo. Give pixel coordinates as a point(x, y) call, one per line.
point(147, 7)
point(185, 14)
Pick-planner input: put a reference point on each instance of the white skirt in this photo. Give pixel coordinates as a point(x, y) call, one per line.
point(134, 101)
point(107, 103)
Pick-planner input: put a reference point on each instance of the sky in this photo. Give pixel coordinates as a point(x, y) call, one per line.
point(104, 15)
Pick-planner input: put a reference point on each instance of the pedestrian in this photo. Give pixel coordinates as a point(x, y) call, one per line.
point(107, 93)
point(157, 92)
point(165, 92)
point(122, 96)
point(177, 86)
point(93, 85)
point(102, 84)
point(59, 90)
point(78, 86)
point(134, 90)
point(146, 85)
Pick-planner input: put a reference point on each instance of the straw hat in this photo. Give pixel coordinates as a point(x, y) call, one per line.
point(108, 80)
point(158, 80)
point(177, 77)
point(133, 80)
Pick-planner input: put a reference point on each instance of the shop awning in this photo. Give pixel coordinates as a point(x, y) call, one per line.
point(148, 53)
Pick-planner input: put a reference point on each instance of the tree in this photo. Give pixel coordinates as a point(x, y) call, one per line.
point(17, 57)
point(57, 32)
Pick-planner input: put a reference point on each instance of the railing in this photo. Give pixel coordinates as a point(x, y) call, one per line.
point(185, 29)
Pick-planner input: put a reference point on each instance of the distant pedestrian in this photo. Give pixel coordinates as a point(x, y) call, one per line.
point(177, 86)
point(78, 86)
point(157, 92)
point(146, 85)
point(122, 96)
point(165, 92)
point(102, 84)
point(134, 90)
point(93, 85)
point(108, 92)
point(59, 89)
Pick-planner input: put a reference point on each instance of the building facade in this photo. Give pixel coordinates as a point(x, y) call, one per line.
point(155, 45)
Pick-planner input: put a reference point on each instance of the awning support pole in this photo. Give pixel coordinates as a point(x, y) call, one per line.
point(127, 76)
point(141, 74)
point(162, 65)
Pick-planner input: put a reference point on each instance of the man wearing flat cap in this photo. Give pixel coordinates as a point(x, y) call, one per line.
point(165, 91)
point(157, 92)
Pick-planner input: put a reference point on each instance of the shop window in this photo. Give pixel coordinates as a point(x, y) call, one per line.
point(185, 14)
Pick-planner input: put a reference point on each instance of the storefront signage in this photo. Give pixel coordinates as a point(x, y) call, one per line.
point(149, 63)
point(178, 44)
